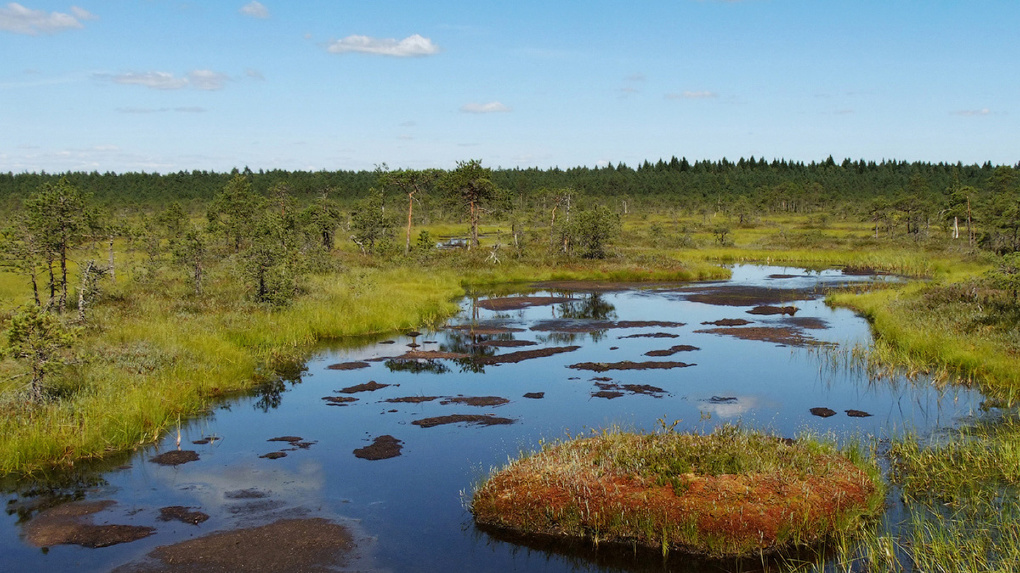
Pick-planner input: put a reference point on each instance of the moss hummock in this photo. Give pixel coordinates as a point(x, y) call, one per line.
point(728, 493)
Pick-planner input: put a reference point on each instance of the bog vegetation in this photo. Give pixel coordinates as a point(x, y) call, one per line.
point(128, 301)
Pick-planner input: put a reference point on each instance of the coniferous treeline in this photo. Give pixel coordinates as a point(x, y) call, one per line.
point(791, 186)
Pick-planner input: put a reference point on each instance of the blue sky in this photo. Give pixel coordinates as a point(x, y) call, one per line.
point(168, 85)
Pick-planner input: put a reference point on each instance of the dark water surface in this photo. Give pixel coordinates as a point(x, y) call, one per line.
point(406, 512)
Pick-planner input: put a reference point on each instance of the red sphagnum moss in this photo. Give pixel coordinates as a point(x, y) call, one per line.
point(729, 493)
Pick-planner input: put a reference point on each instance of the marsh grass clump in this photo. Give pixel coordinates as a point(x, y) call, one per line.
point(729, 493)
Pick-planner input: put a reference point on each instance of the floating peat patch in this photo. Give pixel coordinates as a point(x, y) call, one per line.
point(522, 355)
point(730, 493)
point(672, 350)
point(651, 335)
point(339, 400)
point(822, 412)
point(473, 419)
point(857, 414)
point(71, 524)
point(182, 514)
point(749, 295)
point(411, 399)
point(768, 310)
point(729, 322)
point(807, 322)
point(287, 545)
point(381, 448)
point(570, 325)
point(370, 386)
point(504, 343)
point(521, 302)
point(349, 365)
point(628, 365)
point(296, 441)
point(273, 455)
point(175, 457)
point(534, 395)
point(610, 391)
point(485, 329)
point(476, 400)
point(432, 355)
point(781, 335)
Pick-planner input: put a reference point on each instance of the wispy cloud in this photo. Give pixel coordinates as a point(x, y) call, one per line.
point(206, 80)
point(21, 20)
point(414, 45)
point(973, 112)
point(255, 10)
point(692, 95)
point(490, 107)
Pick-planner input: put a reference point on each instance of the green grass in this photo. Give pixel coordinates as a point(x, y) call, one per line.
point(153, 352)
point(147, 360)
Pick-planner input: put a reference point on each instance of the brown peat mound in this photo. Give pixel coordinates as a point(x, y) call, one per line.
point(729, 493)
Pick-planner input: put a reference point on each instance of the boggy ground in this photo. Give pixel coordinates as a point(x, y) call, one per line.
point(728, 493)
point(283, 546)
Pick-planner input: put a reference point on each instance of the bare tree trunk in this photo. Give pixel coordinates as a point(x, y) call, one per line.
point(970, 234)
point(62, 303)
point(552, 225)
point(198, 277)
point(53, 283)
point(474, 226)
point(410, 210)
point(35, 290)
point(110, 267)
point(88, 279)
point(956, 228)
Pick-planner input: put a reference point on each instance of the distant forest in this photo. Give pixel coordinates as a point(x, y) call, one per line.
point(778, 185)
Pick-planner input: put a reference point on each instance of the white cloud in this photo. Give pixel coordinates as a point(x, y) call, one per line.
point(154, 80)
point(415, 45)
point(255, 10)
point(692, 95)
point(21, 20)
point(254, 74)
point(206, 80)
point(491, 107)
point(83, 14)
point(973, 112)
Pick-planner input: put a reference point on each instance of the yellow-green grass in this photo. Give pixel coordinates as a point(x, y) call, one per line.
point(962, 509)
point(728, 493)
point(150, 360)
point(153, 352)
point(935, 340)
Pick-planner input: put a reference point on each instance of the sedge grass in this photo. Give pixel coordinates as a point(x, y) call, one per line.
point(154, 352)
